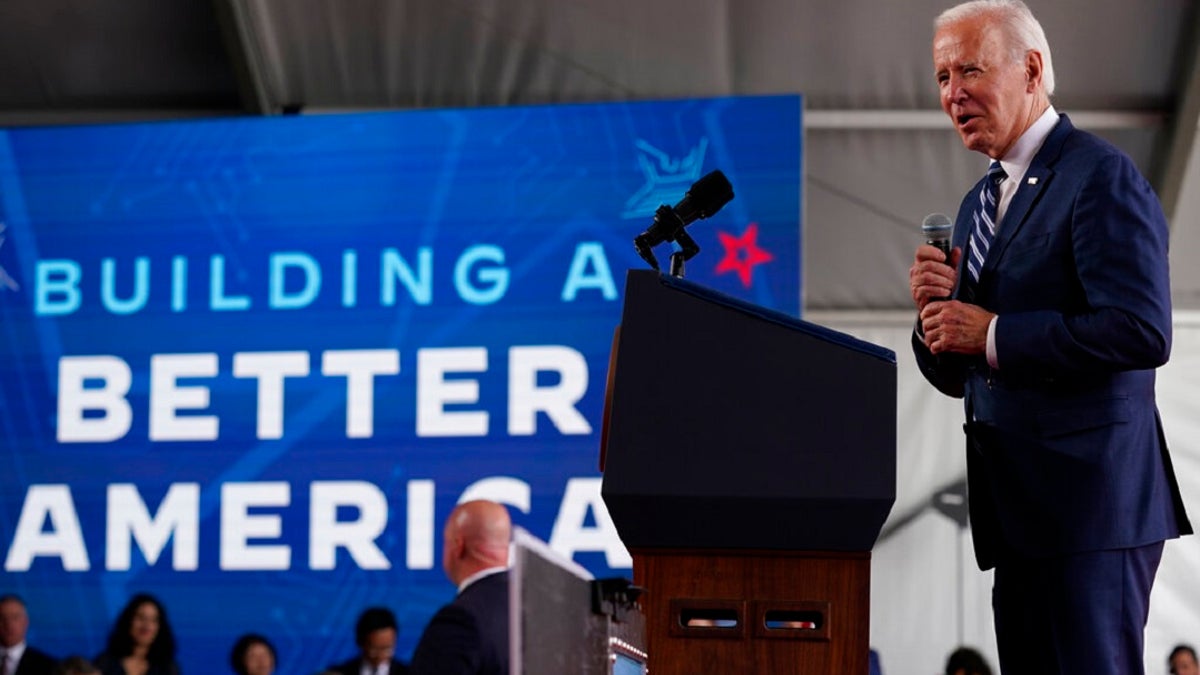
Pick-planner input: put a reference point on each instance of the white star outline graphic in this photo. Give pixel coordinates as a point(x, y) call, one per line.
point(666, 177)
point(6, 281)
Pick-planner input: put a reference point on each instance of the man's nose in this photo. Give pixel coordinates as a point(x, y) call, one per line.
point(955, 91)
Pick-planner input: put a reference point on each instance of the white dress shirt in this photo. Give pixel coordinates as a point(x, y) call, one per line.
point(12, 656)
point(368, 669)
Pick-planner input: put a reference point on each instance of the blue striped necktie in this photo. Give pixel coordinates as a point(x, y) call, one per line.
point(984, 231)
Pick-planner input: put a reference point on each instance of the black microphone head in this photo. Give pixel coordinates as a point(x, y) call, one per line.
point(705, 197)
point(937, 227)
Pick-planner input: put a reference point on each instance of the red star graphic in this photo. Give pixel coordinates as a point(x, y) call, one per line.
point(742, 253)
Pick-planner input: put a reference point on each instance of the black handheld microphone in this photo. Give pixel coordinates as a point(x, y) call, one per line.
point(936, 227)
point(703, 199)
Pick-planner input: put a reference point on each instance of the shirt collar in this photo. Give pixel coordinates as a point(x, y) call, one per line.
point(1018, 158)
point(368, 669)
point(14, 652)
point(487, 572)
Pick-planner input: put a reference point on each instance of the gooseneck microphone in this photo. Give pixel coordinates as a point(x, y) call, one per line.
point(704, 198)
point(937, 227)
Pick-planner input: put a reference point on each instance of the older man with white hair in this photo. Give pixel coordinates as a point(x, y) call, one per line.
point(1049, 318)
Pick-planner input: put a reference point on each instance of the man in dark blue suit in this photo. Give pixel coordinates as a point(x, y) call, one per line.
point(1049, 319)
point(470, 635)
point(17, 657)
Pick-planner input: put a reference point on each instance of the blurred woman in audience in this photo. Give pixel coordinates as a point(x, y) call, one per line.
point(141, 641)
point(253, 654)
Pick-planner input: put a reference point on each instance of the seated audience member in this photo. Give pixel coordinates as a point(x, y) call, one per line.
point(76, 665)
point(469, 636)
point(253, 654)
point(141, 641)
point(967, 661)
point(17, 657)
point(1183, 661)
point(375, 634)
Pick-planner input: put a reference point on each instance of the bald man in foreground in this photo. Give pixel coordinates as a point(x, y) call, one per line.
point(470, 635)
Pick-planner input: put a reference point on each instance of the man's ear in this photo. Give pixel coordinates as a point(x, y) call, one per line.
point(1033, 70)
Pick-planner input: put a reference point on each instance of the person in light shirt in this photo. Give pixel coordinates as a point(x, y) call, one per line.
point(469, 636)
point(17, 657)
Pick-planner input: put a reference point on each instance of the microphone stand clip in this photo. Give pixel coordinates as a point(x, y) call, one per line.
point(668, 226)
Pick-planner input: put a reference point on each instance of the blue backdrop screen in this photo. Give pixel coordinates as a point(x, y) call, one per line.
point(250, 365)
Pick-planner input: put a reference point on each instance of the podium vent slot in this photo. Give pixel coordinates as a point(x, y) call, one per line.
point(791, 620)
point(709, 618)
point(705, 618)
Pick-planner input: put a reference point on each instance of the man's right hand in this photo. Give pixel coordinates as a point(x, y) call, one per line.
point(931, 276)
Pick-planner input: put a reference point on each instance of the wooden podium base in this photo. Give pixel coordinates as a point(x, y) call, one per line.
point(772, 612)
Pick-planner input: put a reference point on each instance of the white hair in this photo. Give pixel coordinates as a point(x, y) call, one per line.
point(1023, 31)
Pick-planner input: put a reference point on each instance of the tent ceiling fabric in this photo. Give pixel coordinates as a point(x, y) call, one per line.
point(857, 54)
point(62, 56)
point(867, 189)
point(852, 54)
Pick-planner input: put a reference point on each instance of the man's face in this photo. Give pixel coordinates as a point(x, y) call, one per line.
point(14, 622)
point(379, 646)
point(259, 660)
point(1184, 664)
point(987, 94)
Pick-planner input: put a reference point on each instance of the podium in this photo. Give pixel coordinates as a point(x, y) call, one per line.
point(749, 462)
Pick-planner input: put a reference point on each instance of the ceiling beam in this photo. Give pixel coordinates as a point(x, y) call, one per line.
point(58, 117)
point(1175, 145)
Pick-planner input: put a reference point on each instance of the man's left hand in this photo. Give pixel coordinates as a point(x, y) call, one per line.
point(954, 326)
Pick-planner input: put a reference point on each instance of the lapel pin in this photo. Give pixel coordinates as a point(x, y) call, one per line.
point(1032, 180)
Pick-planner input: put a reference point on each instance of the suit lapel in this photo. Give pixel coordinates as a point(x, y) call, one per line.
point(1036, 178)
point(1018, 211)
